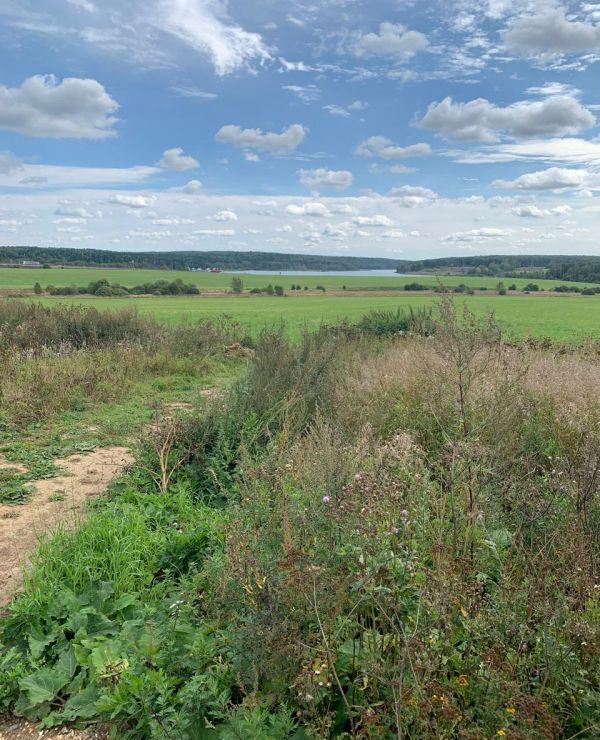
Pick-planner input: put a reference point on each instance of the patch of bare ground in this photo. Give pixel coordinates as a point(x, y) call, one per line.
point(20, 729)
point(11, 466)
point(54, 502)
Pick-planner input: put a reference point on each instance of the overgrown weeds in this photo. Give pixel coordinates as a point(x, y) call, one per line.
point(363, 539)
point(65, 358)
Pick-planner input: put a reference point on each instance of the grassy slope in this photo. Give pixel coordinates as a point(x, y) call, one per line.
point(563, 317)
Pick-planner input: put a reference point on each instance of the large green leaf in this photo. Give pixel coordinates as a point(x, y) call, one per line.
point(44, 685)
point(67, 663)
point(82, 705)
point(37, 645)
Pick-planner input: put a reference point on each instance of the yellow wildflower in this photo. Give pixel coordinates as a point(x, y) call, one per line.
point(511, 710)
point(501, 733)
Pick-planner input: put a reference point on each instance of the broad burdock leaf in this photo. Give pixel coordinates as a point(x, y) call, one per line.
point(44, 685)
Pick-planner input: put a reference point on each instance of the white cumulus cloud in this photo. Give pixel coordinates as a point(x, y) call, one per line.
point(373, 221)
point(480, 120)
point(191, 187)
point(392, 40)
point(132, 201)
point(381, 146)
point(554, 178)
point(175, 159)
point(253, 138)
point(477, 235)
point(411, 196)
point(308, 209)
point(550, 33)
point(72, 109)
point(533, 211)
point(225, 215)
point(324, 178)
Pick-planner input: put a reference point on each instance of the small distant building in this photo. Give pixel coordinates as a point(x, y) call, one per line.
point(30, 263)
point(216, 269)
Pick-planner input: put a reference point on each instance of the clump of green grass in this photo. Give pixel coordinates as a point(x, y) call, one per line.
point(12, 490)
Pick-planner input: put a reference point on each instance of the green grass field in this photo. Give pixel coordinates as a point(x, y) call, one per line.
point(560, 317)
point(564, 317)
point(25, 278)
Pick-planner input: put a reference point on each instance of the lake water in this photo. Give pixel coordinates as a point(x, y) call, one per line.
point(316, 273)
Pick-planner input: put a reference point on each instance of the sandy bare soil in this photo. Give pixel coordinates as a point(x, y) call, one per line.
point(55, 502)
point(19, 729)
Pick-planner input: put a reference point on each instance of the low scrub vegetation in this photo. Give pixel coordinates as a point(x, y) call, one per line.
point(366, 538)
point(103, 289)
point(63, 358)
point(385, 323)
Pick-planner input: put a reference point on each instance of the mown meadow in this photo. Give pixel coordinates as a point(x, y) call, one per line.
point(381, 529)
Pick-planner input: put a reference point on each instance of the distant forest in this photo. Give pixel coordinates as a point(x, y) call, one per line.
point(558, 267)
point(191, 260)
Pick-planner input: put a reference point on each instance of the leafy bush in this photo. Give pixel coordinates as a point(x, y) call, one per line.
point(65, 290)
point(416, 286)
point(567, 289)
point(237, 285)
point(383, 323)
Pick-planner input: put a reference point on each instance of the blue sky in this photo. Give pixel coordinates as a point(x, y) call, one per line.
point(366, 127)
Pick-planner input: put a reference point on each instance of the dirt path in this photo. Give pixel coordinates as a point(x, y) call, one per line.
point(54, 502)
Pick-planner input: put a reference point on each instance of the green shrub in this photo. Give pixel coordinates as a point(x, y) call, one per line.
point(237, 285)
point(416, 286)
point(383, 323)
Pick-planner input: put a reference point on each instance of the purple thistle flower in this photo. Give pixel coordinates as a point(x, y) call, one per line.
point(326, 499)
point(395, 530)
